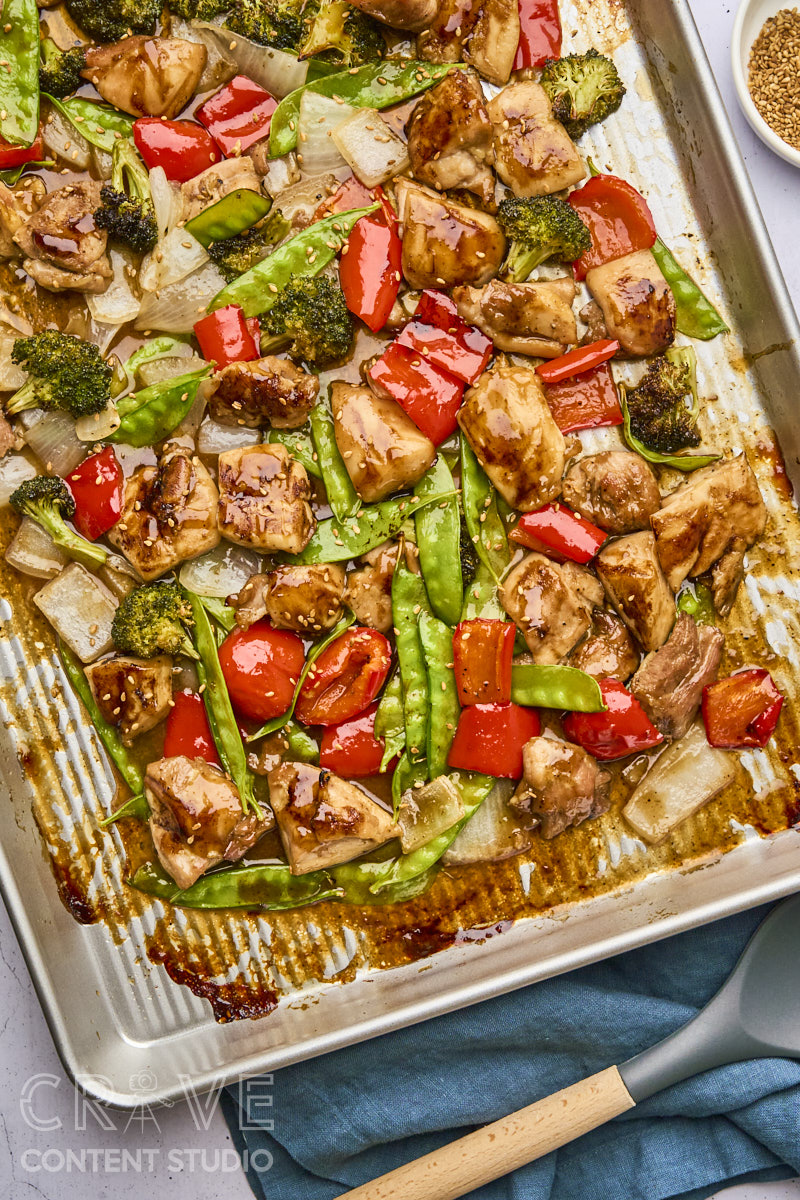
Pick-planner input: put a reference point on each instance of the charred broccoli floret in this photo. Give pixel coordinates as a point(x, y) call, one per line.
point(664, 407)
point(152, 620)
point(111, 20)
point(199, 10)
point(60, 70)
point(64, 372)
point(468, 556)
point(279, 23)
point(127, 211)
point(235, 255)
point(46, 499)
point(343, 35)
point(311, 315)
point(538, 228)
point(583, 89)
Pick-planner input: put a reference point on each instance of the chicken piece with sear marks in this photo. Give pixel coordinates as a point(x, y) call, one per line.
point(266, 392)
point(264, 498)
point(382, 448)
point(133, 694)
point(445, 243)
point(306, 599)
point(369, 588)
point(17, 204)
point(615, 489)
point(607, 651)
point(146, 76)
point(551, 604)
point(523, 318)
point(636, 586)
point(636, 301)
point(450, 137)
point(533, 153)
point(63, 246)
point(561, 786)
point(483, 33)
point(669, 683)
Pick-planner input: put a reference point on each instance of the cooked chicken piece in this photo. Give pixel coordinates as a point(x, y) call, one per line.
point(726, 575)
point(506, 420)
point(369, 589)
point(445, 243)
point(307, 599)
point(264, 499)
point(669, 683)
point(133, 694)
point(8, 439)
point(276, 174)
point(562, 785)
point(592, 316)
point(62, 234)
point(637, 302)
point(168, 513)
point(196, 817)
point(412, 15)
point(450, 137)
point(533, 153)
point(523, 318)
point(635, 585)
point(146, 76)
point(608, 651)
point(616, 490)
point(717, 509)
point(251, 603)
point(382, 448)
point(551, 604)
point(268, 391)
point(324, 820)
point(483, 33)
point(215, 182)
point(17, 204)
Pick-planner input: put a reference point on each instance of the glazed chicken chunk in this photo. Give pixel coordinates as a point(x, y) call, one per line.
point(717, 510)
point(533, 153)
point(523, 318)
point(133, 694)
point(506, 420)
point(561, 786)
point(450, 137)
point(412, 15)
point(669, 683)
point(616, 490)
point(196, 817)
point(63, 247)
point(146, 76)
point(444, 243)
point(306, 599)
point(216, 182)
point(484, 33)
point(168, 513)
point(607, 651)
point(17, 204)
point(636, 586)
point(369, 588)
point(324, 820)
point(382, 448)
point(264, 498)
point(637, 302)
point(266, 392)
point(551, 604)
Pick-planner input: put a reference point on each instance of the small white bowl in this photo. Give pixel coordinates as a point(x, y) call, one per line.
point(749, 22)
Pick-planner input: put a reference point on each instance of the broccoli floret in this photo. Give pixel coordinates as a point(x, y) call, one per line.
point(127, 211)
point(199, 10)
point(538, 228)
point(60, 70)
point(310, 314)
point(282, 24)
point(343, 35)
point(468, 555)
point(152, 620)
point(47, 500)
point(583, 89)
point(111, 20)
point(660, 417)
point(64, 372)
point(235, 255)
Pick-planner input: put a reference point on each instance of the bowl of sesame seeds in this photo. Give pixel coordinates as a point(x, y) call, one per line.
point(766, 71)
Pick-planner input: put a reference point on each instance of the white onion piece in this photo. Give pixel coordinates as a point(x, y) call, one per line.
point(80, 608)
point(175, 256)
point(117, 304)
point(222, 572)
point(191, 422)
point(175, 309)
point(12, 376)
point(63, 141)
point(280, 174)
point(119, 576)
point(33, 552)
point(103, 163)
point(169, 366)
point(372, 150)
point(166, 201)
point(14, 469)
point(215, 438)
point(54, 442)
point(684, 778)
point(276, 71)
point(428, 811)
point(96, 427)
point(319, 117)
point(492, 833)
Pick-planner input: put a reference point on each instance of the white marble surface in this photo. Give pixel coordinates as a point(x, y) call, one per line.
point(195, 1163)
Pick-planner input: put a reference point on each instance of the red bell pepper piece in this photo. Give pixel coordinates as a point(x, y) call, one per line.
point(351, 748)
point(490, 738)
point(624, 729)
point(225, 337)
point(560, 533)
point(539, 33)
point(188, 731)
point(182, 148)
point(238, 115)
point(345, 679)
point(585, 401)
point(742, 710)
point(482, 654)
point(352, 193)
point(575, 362)
point(369, 267)
point(12, 155)
point(460, 349)
point(254, 325)
point(96, 486)
point(618, 218)
point(426, 393)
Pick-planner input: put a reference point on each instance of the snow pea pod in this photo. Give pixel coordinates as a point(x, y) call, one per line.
point(695, 314)
point(375, 85)
point(101, 126)
point(389, 721)
point(151, 414)
point(12, 175)
point(307, 253)
point(219, 611)
point(159, 347)
point(136, 809)
point(338, 541)
point(555, 687)
point(19, 79)
point(409, 601)
point(697, 600)
point(407, 774)
point(356, 881)
point(481, 599)
point(482, 515)
point(235, 212)
point(302, 747)
point(269, 886)
point(301, 446)
point(342, 496)
point(437, 648)
point(439, 541)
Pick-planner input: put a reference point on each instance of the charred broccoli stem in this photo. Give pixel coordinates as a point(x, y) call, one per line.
point(583, 89)
point(659, 415)
point(343, 35)
point(282, 24)
point(538, 228)
point(311, 315)
point(112, 20)
point(127, 211)
point(235, 255)
point(64, 372)
point(152, 620)
point(60, 70)
point(47, 501)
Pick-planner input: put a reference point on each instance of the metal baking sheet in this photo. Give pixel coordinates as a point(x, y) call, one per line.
point(333, 975)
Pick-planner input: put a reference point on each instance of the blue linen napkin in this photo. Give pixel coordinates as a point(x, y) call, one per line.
point(345, 1118)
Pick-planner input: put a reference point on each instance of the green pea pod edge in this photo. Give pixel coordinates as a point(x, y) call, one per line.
point(438, 530)
point(265, 886)
point(342, 496)
point(150, 415)
point(545, 686)
point(19, 79)
point(234, 213)
point(98, 125)
point(696, 316)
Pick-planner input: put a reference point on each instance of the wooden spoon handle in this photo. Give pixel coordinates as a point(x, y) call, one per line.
point(504, 1145)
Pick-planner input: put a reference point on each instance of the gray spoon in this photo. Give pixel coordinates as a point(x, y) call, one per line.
point(756, 1014)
